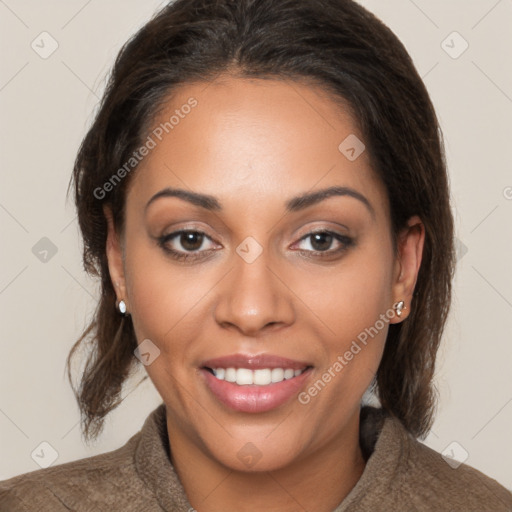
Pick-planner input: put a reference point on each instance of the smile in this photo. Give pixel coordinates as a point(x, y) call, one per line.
point(254, 383)
point(261, 377)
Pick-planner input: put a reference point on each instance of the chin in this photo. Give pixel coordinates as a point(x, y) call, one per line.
point(250, 459)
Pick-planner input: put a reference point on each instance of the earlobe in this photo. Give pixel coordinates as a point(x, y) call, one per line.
point(410, 251)
point(114, 254)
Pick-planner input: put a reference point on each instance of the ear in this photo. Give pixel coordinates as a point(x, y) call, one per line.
point(410, 251)
point(114, 253)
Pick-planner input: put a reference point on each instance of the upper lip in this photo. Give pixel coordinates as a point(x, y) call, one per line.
point(254, 362)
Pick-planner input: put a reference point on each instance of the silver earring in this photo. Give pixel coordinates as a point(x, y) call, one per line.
point(122, 307)
point(398, 307)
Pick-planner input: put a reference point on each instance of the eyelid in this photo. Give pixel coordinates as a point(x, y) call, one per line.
point(325, 226)
point(173, 230)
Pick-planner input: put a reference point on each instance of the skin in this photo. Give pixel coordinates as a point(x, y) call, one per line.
point(253, 144)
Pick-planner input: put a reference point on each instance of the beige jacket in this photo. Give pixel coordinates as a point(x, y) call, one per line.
point(401, 474)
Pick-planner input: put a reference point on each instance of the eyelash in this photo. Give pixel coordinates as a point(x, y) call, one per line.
point(180, 256)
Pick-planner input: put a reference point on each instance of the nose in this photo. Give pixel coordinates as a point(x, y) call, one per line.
point(253, 298)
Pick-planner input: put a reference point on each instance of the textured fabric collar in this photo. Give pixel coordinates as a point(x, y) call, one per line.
point(152, 458)
point(384, 442)
point(153, 464)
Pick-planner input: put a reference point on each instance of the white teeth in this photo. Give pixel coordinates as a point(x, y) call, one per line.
point(261, 377)
point(230, 375)
point(289, 373)
point(244, 376)
point(277, 374)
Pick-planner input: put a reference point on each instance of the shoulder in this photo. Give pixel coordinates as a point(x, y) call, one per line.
point(433, 479)
point(402, 473)
point(71, 485)
point(424, 480)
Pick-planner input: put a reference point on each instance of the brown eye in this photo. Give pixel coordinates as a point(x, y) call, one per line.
point(191, 240)
point(321, 242)
point(185, 244)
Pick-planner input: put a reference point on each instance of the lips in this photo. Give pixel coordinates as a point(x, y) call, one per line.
point(254, 362)
point(254, 383)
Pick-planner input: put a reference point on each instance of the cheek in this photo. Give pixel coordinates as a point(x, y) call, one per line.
point(351, 301)
point(350, 297)
point(167, 303)
point(166, 309)
point(156, 295)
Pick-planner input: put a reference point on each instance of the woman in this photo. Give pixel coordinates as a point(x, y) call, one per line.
point(264, 197)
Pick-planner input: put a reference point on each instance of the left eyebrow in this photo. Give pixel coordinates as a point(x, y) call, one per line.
point(294, 204)
point(306, 200)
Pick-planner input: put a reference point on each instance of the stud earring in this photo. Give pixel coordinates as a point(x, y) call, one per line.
point(399, 306)
point(122, 307)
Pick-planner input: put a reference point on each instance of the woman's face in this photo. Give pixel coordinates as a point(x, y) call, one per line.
point(273, 287)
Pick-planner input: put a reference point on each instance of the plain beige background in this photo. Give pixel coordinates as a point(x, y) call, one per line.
point(48, 103)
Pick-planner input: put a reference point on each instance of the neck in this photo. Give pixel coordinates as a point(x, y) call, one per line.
point(319, 480)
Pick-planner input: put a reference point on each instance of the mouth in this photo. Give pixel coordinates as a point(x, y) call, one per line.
point(254, 384)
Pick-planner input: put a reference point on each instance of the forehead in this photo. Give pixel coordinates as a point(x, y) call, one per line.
point(256, 140)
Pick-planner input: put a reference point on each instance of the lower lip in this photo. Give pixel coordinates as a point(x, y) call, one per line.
point(252, 398)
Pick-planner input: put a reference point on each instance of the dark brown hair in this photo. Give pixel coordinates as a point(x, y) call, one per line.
point(352, 55)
